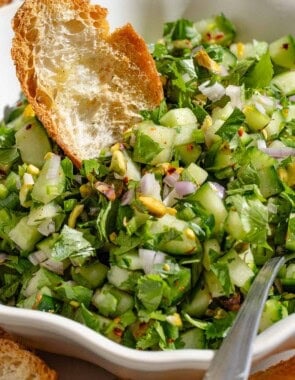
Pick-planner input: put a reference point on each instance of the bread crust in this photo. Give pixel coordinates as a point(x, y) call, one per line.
point(16, 362)
point(284, 370)
point(123, 67)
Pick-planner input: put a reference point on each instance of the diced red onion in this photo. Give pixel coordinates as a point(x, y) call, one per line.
point(218, 188)
point(184, 188)
point(149, 257)
point(54, 167)
point(292, 98)
point(127, 197)
point(37, 257)
point(53, 265)
point(279, 152)
point(213, 92)
point(234, 92)
point(150, 187)
point(277, 149)
point(170, 179)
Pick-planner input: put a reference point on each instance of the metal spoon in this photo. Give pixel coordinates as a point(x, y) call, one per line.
point(233, 359)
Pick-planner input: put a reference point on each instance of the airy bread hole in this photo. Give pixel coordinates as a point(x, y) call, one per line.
point(83, 15)
point(31, 83)
point(74, 26)
point(32, 35)
point(97, 24)
point(43, 98)
point(95, 15)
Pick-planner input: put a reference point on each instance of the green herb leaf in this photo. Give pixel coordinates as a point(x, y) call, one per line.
point(231, 125)
point(71, 244)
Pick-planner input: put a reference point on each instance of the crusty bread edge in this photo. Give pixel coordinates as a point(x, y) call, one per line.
point(22, 49)
point(14, 343)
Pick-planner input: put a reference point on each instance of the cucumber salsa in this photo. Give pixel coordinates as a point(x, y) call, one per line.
point(155, 243)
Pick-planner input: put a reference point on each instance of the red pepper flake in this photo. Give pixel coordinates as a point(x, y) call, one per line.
point(29, 126)
point(241, 131)
point(219, 36)
point(118, 332)
point(189, 147)
point(170, 340)
point(285, 46)
point(208, 35)
point(171, 170)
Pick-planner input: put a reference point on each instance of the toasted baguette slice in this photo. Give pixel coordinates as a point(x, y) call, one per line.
point(17, 363)
point(284, 370)
point(85, 84)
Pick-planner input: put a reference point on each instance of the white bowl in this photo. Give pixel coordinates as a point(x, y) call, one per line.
point(263, 19)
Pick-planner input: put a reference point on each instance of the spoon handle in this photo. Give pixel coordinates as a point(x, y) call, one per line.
point(233, 359)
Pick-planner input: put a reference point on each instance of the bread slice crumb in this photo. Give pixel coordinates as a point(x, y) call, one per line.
point(85, 84)
point(19, 363)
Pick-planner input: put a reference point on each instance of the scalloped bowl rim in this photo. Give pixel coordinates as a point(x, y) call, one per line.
point(266, 343)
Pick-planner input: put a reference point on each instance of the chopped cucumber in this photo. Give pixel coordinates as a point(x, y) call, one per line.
point(213, 284)
point(194, 173)
point(69, 292)
point(38, 214)
point(41, 278)
point(33, 135)
point(255, 119)
point(253, 49)
point(178, 117)
point(91, 275)
point(50, 182)
point(188, 152)
point(239, 271)
point(193, 338)
point(282, 52)
point(93, 320)
point(182, 241)
point(269, 182)
point(198, 302)
point(123, 279)
point(112, 302)
point(275, 125)
point(209, 199)
point(285, 82)
point(24, 235)
point(154, 143)
point(290, 238)
point(129, 260)
point(273, 311)
point(185, 134)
